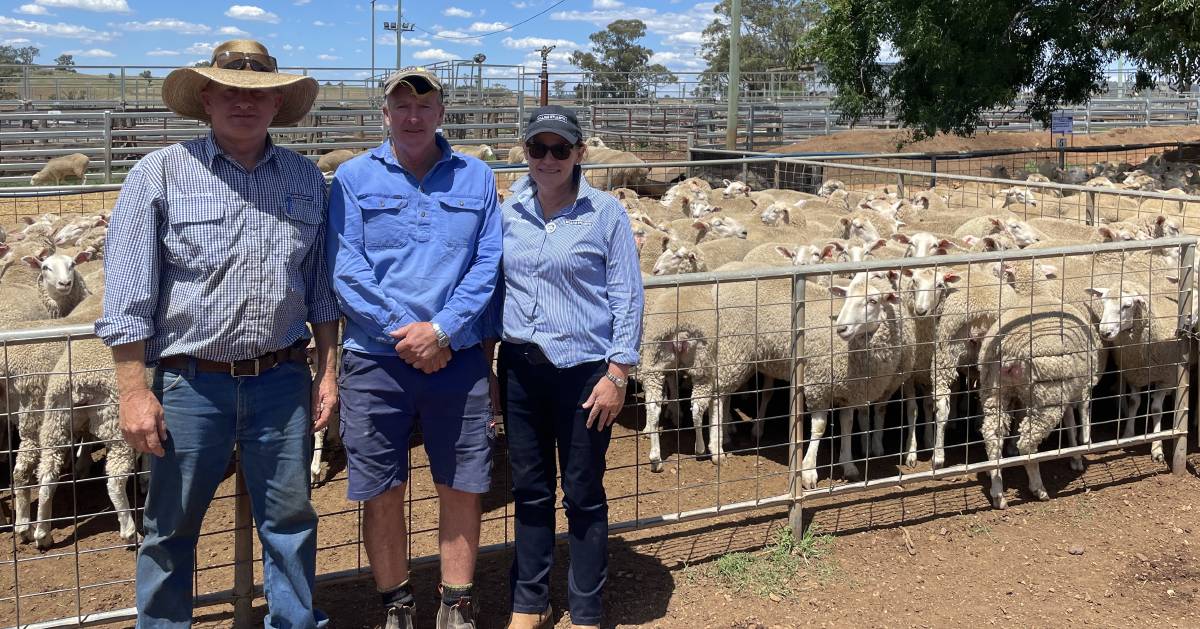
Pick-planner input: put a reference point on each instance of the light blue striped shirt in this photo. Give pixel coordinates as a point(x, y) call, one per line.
point(572, 284)
point(404, 251)
point(206, 259)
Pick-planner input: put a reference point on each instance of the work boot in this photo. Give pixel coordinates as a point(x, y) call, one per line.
point(457, 616)
point(521, 620)
point(400, 616)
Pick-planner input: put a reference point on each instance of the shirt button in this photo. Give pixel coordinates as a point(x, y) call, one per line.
point(550, 228)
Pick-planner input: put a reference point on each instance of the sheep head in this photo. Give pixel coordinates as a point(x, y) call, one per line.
point(864, 308)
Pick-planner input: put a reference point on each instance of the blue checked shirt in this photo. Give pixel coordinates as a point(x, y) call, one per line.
point(572, 284)
point(206, 259)
point(405, 251)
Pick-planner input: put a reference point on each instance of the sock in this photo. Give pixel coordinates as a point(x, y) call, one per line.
point(452, 593)
point(399, 596)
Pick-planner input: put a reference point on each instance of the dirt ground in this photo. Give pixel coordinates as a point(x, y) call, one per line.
point(885, 141)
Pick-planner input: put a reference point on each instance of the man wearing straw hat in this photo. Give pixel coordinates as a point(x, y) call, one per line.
point(414, 246)
point(215, 264)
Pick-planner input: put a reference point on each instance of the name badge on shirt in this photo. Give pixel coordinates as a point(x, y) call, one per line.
point(576, 221)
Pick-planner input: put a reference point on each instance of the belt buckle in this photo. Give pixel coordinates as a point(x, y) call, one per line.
point(233, 368)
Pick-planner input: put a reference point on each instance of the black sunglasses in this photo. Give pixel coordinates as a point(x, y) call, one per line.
point(236, 60)
point(537, 150)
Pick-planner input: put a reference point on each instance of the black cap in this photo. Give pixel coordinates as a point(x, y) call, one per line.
point(554, 119)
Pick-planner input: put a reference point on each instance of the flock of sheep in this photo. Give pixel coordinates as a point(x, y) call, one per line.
point(1033, 350)
point(1029, 339)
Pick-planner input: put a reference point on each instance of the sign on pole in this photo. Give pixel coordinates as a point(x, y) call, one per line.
point(1062, 123)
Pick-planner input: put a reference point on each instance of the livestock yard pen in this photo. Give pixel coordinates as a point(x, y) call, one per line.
point(1060, 314)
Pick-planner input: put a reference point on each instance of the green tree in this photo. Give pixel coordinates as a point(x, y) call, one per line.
point(620, 67)
point(146, 75)
point(953, 60)
point(12, 55)
point(1163, 37)
point(770, 30)
point(65, 62)
point(560, 87)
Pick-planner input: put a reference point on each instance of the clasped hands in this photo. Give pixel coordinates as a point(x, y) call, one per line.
point(417, 345)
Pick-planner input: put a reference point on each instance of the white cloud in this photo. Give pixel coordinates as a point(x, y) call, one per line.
point(670, 23)
point(416, 42)
point(250, 12)
point(520, 5)
point(159, 52)
point(451, 35)
point(487, 27)
point(681, 61)
point(99, 6)
point(529, 43)
point(32, 9)
point(289, 47)
point(320, 23)
point(166, 24)
point(687, 38)
point(434, 54)
point(301, 3)
point(61, 29)
point(607, 4)
point(16, 41)
point(328, 57)
point(385, 8)
point(456, 12)
point(232, 31)
point(94, 52)
point(201, 48)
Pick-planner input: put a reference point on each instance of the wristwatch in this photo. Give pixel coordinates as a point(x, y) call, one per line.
point(443, 339)
point(617, 380)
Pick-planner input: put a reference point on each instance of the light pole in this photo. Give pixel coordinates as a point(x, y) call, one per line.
point(545, 91)
point(399, 27)
point(479, 59)
point(371, 81)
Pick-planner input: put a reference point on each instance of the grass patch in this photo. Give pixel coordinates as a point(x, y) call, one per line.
point(776, 568)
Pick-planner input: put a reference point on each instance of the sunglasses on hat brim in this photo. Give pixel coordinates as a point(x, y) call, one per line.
point(418, 84)
point(252, 61)
point(537, 150)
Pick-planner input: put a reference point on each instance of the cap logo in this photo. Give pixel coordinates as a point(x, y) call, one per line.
point(558, 117)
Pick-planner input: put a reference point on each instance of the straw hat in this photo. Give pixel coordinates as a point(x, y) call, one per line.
point(181, 89)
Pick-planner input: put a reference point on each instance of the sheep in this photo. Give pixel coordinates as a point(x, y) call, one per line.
point(784, 254)
point(866, 226)
point(735, 189)
point(923, 244)
point(81, 398)
point(329, 162)
point(61, 287)
point(606, 178)
point(683, 258)
point(1141, 329)
point(595, 142)
point(73, 165)
point(981, 226)
point(478, 151)
point(516, 155)
point(1043, 357)
point(828, 187)
point(777, 213)
point(720, 227)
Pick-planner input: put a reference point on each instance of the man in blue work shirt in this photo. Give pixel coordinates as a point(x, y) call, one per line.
point(414, 246)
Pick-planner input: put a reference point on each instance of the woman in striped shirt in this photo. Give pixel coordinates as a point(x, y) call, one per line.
point(571, 304)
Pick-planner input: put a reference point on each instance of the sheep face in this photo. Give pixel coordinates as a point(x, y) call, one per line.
point(924, 244)
point(803, 255)
point(775, 214)
point(1022, 233)
point(863, 309)
point(860, 228)
point(58, 272)
point(679, 260)
point(1120, 312)
point(697, 205)
point(1018, 196)
point(929, 288)
point(726, 227)
point(735, 189)
point(829, 187)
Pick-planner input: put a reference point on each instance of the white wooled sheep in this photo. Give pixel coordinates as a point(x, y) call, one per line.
point(478, 151)
point(329, 162)
point(73, 166)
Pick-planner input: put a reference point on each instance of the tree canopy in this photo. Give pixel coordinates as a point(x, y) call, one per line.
point(770, 30)
point(65, 62)
point(954, 60)
point(620, 67)
point(20, 56)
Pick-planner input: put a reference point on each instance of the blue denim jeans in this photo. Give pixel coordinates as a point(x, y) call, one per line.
point(206, 413)
point(543, 418)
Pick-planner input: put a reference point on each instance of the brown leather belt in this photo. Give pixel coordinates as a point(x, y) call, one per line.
point(238, 368)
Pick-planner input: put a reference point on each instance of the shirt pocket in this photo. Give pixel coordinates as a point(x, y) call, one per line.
point(387, 220)
point(304, 217)
point(461, 216)
point(196, 238)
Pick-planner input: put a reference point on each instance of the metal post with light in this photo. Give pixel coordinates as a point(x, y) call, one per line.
point(545, 90)
point(371, 81)
point(399, 27)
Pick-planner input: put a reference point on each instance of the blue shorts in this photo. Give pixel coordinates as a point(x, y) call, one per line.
point(382, 397)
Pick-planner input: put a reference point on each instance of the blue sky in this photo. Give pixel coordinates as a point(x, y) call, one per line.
point(336, 33)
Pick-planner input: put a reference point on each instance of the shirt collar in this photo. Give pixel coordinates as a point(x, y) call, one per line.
point(384, 152)
point(212, 150)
